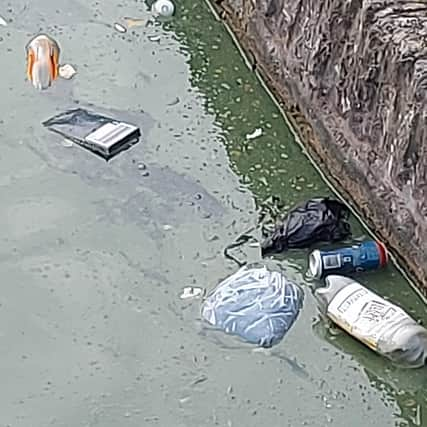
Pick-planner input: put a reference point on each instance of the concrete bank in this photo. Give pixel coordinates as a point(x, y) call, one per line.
point(352, 77)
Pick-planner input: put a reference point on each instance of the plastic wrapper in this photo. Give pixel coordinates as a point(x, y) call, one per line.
point(317, 220)
point(100, 134)
point(255, 303)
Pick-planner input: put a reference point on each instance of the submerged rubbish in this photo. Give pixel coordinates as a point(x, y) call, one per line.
point(154, 38)
point(100, 134)
point(370, 255)
point(256, 303)
point(163, 8)
point(3, 21)
point(42, 61)
point(316, 220)
point(379, 324)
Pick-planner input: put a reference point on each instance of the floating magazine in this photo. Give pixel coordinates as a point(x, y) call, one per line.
point(100, 134)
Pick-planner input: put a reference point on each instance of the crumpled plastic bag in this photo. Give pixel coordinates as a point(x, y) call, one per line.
point(257, 304)
point(316, 220)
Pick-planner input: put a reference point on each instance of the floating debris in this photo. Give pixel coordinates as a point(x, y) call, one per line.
point(256, 303)
point(142, 166)
point(2, 21)
point(318, 220)
point(42, 61)
point(67, 71)
point(134, 22)
point(154, 38)
point(163, 8)
point(119, 27)
point(379, 324)
point(167, 227)
point(102, 135)
point(364, 256)
point(255, 134)
point(191, 292)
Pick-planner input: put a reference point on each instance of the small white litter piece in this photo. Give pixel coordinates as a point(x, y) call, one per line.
point(191, 292)
point(119, 27)
point(154, 38)
point(3, 21)
point(163, 8)
point(255, 134)
point(67, 71)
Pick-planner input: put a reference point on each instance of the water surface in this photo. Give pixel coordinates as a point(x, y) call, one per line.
point(94, 255)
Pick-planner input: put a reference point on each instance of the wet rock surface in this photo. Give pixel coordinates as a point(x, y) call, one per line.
point(353, 76)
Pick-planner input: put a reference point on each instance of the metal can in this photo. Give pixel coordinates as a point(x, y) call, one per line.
point(369, 255)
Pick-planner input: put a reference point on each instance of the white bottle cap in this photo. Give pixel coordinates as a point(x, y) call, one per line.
point(315, 264)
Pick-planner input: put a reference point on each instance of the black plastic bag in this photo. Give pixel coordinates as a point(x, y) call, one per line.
point(316, 220)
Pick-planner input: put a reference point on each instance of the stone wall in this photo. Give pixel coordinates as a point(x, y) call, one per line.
point(353, 77)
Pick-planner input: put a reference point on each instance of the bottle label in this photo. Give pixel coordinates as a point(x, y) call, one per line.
point(331, 261)
point(110, 134)
point(363, 314)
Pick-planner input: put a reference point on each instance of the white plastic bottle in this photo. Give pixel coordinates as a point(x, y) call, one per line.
point(379, 324)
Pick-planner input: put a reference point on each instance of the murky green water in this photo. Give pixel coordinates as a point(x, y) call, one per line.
point(94, 255)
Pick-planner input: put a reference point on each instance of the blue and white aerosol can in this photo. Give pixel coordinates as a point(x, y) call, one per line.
point(369, 255)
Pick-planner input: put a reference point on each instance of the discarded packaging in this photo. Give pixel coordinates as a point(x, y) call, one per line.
point(378, 323)
point(154, 38)
point(100, 134)
point(67, 71)
point(2, 21)
point(163, 8)
point(42, 61)
point(119, 27)
point(317, 220)
point(255, 134)
point(191, 292)
point(365, 256)
point(256, 303)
